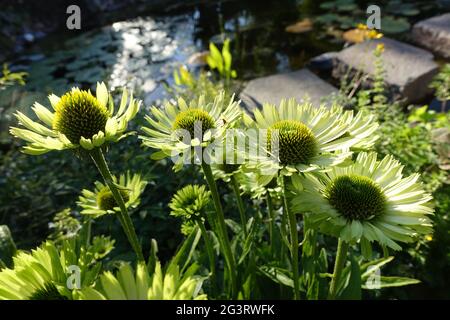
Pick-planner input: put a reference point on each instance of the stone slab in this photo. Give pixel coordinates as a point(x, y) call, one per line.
point(434, 34)
point(408, 69)
point(323, 62)
point(301, 85)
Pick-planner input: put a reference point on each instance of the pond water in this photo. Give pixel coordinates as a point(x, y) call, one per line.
point(142, 52)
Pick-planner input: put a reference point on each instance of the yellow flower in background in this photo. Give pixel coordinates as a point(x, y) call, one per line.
point(362, 26)
point(374, 34)
point(379, 48)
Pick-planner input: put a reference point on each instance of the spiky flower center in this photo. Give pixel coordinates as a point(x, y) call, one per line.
point(194, 120)
point(356, 197)
point(293, 141)
point(79, 114)
point(106, 201)
point(190, 202)
point(187, 206)
point(47, 292)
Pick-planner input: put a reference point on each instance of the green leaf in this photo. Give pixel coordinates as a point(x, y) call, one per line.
point(7, 246)
point(226, 55)
point(353, 288)
point(159, 155)
point(153, 257)
point(389, 282)
point(176, 78)
point(278, 275)
point(214, 58)
point(369, 268)
point(186, 250)
point(391, 24)
point(249, 240)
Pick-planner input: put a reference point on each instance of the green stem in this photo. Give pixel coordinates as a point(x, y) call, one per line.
point(271, 221)
point(341, 256)
point(294, 241)
point(210, 252)
point(240, 204)
point(88, 226)
point(221, 227)
point(125, 220)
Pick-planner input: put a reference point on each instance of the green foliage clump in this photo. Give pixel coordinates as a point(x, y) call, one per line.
point(441, 85)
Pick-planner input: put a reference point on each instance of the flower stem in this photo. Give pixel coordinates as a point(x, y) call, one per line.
point(87, 226)
point(127, 225)
point(240, 204)
point(210, 252)
point(271, 221)
point(221, 227)
point(341, 256)
point(294, 241)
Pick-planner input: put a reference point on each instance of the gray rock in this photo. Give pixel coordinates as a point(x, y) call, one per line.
point(434, 34)
point(408, 70)
point(323, 61)
point(301, 85)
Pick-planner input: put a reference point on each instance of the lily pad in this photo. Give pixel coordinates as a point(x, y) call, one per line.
point(391, 25)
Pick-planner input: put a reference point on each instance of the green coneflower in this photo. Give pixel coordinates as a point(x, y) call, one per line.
point(127, 285)
point(190, 202)
point(80, 119)
point(301, 138)
point(101, 201)
point(257, 185)
point(43, 273)
point(196, 119)
point(367, 201)
point(84, 122)
point(171, 131)
point(306, 138)
point(187, 227)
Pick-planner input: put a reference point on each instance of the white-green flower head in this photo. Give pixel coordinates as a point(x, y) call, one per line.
point(41, 274)
point(79, 119)
point(100, 201)
point(226, 161)
point(190, 202)
point(256, 185)
point(177, 128)
point(367, 201)
point(130, 285)
point(303, 138)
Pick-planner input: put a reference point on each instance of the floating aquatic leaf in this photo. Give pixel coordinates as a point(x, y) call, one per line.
point(390, 24)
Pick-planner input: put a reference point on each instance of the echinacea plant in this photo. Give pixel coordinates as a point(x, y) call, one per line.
point(42, 274)
point(86, 123)
point(127, 285)
point(101, 201)
point(313, 161)
point(190, 203)
point(367, 201)
point(178, 129)
point(79, 120)
point(301, 138)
